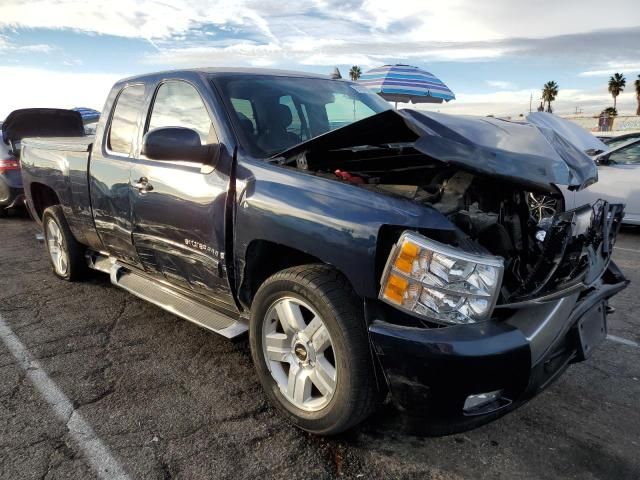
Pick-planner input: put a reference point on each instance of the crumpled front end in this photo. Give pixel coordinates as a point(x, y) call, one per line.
point(460, 376)
point(472, 320)
point(576, 248)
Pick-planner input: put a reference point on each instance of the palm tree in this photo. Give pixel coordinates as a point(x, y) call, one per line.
point(355, 73)
point(637, 85)
point(549, 93)
point(616, 85)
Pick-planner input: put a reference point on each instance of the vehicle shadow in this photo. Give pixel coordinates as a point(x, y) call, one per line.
point(18, 214)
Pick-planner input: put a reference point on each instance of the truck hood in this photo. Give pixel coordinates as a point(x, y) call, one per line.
point(41, 122)
point(524, 153)
point(571, 131)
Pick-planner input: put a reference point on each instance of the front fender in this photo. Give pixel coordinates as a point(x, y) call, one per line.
point(335, 222)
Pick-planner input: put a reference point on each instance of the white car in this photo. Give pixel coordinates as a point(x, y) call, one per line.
point(618, 171)
point(618, 181)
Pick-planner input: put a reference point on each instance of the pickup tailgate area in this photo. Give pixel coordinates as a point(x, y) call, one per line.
point(58, 166)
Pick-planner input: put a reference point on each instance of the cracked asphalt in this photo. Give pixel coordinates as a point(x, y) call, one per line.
point(170, 400)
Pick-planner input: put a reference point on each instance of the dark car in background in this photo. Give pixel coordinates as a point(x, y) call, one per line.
point(29, 122)
point(10, 180)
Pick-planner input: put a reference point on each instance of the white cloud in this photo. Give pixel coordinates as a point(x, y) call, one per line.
point(140, 19)
point(313, 51)
point(515, 102)
point(610, 68)
point(546, 18)
point(8, 46)
point(36, 87)
point(404, 20)
point(36, 48)
point(502, 84)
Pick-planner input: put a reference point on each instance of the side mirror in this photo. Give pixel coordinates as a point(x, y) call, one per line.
point(603, 160)
point(177, 143)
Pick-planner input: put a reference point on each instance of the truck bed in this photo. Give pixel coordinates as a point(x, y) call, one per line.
point(68, 144)
point(60, 165)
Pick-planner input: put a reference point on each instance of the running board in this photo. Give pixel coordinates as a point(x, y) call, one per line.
point(168, 299)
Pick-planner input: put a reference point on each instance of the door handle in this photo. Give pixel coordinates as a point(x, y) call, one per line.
point(143, 185)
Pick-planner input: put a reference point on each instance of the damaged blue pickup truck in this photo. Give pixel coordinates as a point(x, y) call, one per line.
point(370, 253)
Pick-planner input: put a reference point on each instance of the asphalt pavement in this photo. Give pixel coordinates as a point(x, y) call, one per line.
point(95, 383)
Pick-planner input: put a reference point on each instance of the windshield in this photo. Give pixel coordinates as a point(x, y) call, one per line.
point(274, 113)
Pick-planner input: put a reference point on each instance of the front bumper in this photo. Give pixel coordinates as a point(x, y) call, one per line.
point(431, 372)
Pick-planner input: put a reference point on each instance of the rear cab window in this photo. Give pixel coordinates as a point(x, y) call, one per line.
point(246, 114)
point(124, 122)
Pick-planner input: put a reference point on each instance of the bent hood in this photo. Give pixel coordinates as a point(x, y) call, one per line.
point(571, 131)
point(523, 153)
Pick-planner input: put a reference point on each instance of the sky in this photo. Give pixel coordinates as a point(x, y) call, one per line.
point(494, 54)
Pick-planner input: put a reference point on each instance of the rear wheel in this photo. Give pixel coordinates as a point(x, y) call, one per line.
point(65, 253)
point(311, 350)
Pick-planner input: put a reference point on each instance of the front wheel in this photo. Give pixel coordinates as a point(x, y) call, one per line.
point(542, 206)
point(65, 253)
point(310, 347)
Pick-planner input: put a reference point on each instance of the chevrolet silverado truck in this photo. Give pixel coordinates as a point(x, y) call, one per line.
point(371, 254)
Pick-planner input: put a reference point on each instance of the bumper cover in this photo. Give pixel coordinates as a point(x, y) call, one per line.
point(11, 191)
point(431, 372)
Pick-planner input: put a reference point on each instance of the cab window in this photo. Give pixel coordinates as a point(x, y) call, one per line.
point(125, 119)
point(345, 110)
point(178, 104)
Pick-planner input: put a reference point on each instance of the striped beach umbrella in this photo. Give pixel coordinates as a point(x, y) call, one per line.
point(405, 83)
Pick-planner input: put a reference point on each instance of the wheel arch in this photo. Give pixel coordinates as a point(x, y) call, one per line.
point(264, 258)
point(42, 197)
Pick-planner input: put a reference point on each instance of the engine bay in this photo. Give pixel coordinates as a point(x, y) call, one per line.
point(492, 215)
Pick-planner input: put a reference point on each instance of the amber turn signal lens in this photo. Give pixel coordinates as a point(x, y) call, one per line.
point(396, 288)
point(408, 253)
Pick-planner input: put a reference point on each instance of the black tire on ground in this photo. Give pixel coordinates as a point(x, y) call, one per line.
point(3, 212)
point(326, 290)
point(76, 264)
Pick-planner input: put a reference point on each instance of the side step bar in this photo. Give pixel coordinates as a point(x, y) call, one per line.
point(167, 298)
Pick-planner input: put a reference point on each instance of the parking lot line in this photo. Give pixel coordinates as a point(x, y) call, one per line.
point(93, 449)
point(624, 341)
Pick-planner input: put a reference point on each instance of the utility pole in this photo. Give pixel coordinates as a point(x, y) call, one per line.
point(530, 102)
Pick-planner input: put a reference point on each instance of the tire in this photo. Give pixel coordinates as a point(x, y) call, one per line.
point(4, 212)
point(330, 404)
point(61, 243)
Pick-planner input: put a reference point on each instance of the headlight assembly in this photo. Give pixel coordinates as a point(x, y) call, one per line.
point(439, 282)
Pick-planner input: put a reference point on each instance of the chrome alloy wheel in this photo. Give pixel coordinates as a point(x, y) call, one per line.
point(57, 252)
point(542, 206)
point(299, 354)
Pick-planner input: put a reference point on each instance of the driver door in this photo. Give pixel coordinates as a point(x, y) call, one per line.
point(179, 206)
